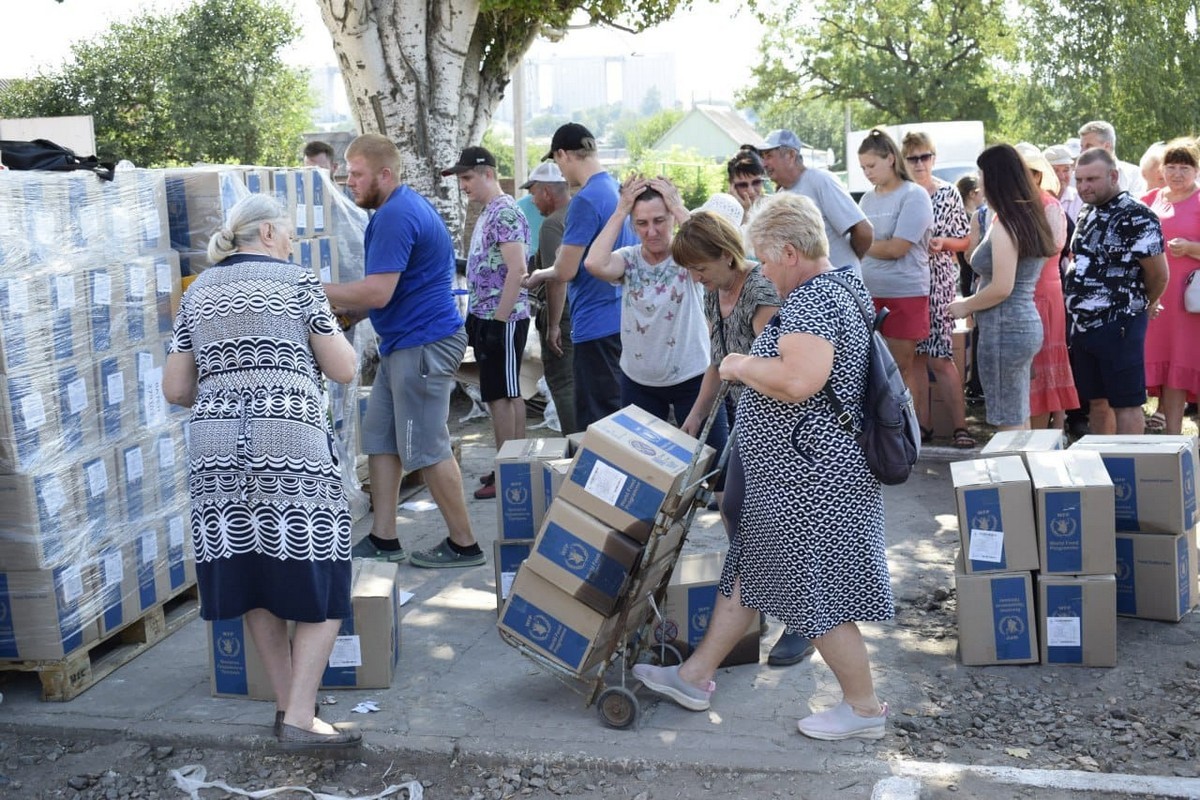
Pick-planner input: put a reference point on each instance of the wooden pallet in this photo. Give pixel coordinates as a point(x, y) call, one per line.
point(70, 676)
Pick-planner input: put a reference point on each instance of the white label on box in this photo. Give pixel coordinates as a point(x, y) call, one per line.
point(65, 284)
point(347, 652)
point(326, 275)
point(33, 412)
point(162, 276)
point(114, 569)
point(605, 482)
point(18, 297)
point(137, 283)
point(301, 216)
point(53, 496)
point(145, 362)
point(506, 582)
point(97, 478)
point(986, 546)
point(116, 388)
point(166, 454)
point(153, 403)
point(319, 217)
point(1063, 632)
point(72, 583)
point(175, 532)
point(102, 289)
point(77, 395)
point(133, 464)
point(149, 547)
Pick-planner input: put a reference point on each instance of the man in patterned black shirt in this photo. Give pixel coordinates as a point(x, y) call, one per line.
point(1120, 273)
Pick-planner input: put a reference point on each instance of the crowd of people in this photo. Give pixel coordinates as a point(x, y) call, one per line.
point(1073, 269)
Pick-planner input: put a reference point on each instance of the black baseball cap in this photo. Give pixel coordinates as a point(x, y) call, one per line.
point(471, 157)
point(571, 136)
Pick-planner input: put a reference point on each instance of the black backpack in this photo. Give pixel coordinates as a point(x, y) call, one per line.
point(891, 435)
point(43, 154)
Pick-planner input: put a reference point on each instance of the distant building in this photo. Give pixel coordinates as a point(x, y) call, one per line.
point(714, 132)
point(565, 85)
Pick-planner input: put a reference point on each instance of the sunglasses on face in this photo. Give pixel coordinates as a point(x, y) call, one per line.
point(923, 158)
point(757, 182)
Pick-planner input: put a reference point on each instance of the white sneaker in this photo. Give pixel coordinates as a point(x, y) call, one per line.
point(842, 722)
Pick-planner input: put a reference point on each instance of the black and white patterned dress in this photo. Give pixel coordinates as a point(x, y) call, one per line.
point(809, 548)
point(950, 220)
point(270, 521)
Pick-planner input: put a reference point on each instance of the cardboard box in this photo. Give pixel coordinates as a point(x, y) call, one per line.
point(103, 309)
point(1077, 619)
point(117, 580)
point(39, 525)
point(23, 340)
point(1154, 479)
point(149, 406)
point(99, 499)
point(995, 515)
point(1156, 575)
point(78, 405)
point(368, 644)
point(169, 465)
point(584, 557)
point(554, 473)
point(197, 199)
point(181, 559)
point(508, 556)
point(140, 312)
point(258, 180)
point(555, 624)
point(631, 466)
point(46, 614)
point(520, 486)
point(1073, 503)
point(116, 389)
point(318, 256)
point(364, 656)
point(691, 598)
point(168, 289)
point(29, 429)
point(68, 314)
point(139, 213)
point(1018, 443)
point(135, 488)
point(996, 620)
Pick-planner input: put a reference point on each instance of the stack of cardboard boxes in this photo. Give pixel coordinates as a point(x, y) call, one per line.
point(1056, 543)
point(93, 515)
point(626, 483)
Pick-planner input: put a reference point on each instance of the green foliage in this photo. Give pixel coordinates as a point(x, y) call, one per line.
point(1129, 62)
point(820, 122)
point(502, 150)
point(905, 60)
point(205, 84)
point(641, 134)
point(697, 178)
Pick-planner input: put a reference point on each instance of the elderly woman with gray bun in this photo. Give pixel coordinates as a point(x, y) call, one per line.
point(253, 340)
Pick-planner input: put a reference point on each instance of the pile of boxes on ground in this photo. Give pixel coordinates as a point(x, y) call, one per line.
point(94, 524)
point(1056, 544)
point(577, 533)
point(93, 514)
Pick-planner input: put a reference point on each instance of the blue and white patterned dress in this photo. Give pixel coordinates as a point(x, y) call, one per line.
point(809, 548)
point(270, 521)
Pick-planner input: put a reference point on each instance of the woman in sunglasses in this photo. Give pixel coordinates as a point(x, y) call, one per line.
point(747, 178)
point(896, 267)
point(949, 236)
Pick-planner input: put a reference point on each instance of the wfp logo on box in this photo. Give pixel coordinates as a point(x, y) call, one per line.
point(1010, 627)
point(575, 557)
point(1124, 571)
point(1064, 525)
point(643, 448)
point(3, 611)
point(985, 519)
point(229, 644)
point(538, 627)
point(1123, 489)
point(516, 494)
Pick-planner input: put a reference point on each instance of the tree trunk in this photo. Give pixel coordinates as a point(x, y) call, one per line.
point(428, 74)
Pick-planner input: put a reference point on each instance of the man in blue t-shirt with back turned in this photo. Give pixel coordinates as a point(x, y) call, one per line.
point(595, 304)
point(406, 291)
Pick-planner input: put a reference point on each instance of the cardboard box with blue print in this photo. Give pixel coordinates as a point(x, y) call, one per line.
point(1154, 477)
point(691, 599)
point(39, 520)
point(48, 613)
point(1077, 620)
point(1073, 501)
point(78, 405)
point(23, 341)
point(508, 555)
point(1156, 575)
point(29, 429)
point(630, 466)
point(521, 498)
point(996, 619)
point(364, 656)
point(197, 199)
point(584, 557)
point(1020, 443)
point(995, 515)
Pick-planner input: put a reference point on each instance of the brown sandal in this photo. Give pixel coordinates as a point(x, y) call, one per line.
point(963, 439)
point(294, 739)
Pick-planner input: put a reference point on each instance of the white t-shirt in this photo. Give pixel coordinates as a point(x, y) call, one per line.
point(905, 213)
point(837, 210)
point(664, 335)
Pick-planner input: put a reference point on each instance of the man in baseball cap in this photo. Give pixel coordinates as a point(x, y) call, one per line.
point(571, 136)
point(1063, 163)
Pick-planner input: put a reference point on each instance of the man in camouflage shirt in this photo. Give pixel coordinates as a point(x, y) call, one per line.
point(1120, 273)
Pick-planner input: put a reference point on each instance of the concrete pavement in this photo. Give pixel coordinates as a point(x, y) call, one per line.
point(460, 689)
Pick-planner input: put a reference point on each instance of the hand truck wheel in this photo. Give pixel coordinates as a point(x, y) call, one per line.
point(618, 707)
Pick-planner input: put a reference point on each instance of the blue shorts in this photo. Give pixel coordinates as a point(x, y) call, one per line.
point(1109, 362)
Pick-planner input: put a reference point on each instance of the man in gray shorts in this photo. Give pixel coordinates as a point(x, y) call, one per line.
point(406, 291)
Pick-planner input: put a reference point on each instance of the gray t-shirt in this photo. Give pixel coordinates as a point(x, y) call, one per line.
point(837, 210)
point(664, 335)
point(906, 213)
